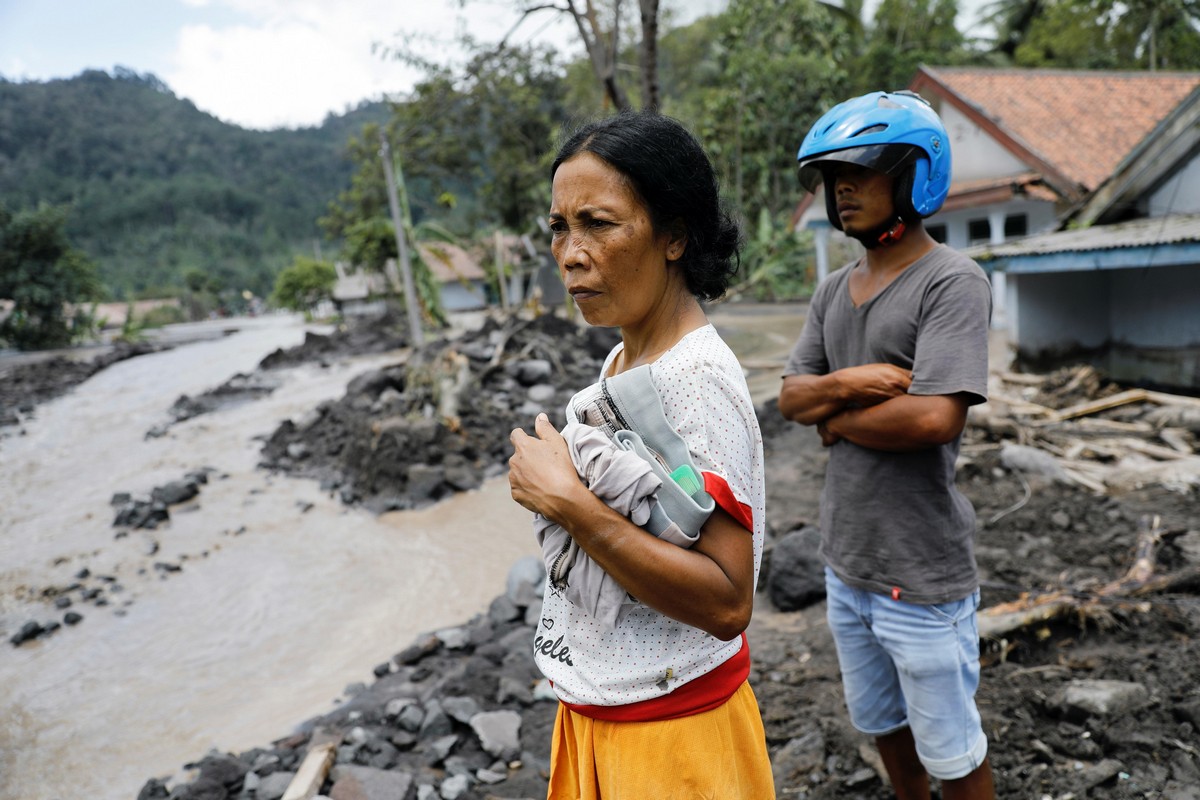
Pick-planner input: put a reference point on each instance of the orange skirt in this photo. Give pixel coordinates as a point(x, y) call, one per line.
point(715, 755)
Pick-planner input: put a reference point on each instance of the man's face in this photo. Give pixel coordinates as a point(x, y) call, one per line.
point(863, 197)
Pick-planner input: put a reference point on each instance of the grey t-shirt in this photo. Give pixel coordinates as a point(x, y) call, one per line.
point(895, 520)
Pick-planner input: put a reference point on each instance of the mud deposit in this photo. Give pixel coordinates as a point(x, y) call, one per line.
point(1043, 742)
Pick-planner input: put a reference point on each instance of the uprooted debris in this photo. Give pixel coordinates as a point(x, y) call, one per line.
point(438, 421)
point(1072, 429)
point(1088, 601)
point(1096, 436)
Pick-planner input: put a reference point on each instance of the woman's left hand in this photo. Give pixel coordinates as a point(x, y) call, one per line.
point(540, 471)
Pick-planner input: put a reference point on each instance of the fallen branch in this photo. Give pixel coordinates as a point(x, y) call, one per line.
point(1177, 439)
point(1022, 378)
point(1103, 404)
point(1140, 579)
point(1018, 405)
point(1099, 427)
point(1078, 473)
point(1165, 399)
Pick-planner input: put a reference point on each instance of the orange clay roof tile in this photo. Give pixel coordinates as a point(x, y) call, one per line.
point(1082, 122)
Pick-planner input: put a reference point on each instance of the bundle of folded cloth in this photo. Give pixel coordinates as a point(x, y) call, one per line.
point(627, 453)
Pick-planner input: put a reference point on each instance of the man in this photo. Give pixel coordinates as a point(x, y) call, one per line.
point(892, 353)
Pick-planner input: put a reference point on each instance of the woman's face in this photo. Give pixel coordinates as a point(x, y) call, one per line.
point(612, 262)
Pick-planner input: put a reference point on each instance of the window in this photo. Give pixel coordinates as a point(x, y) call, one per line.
point(979, 231)
point(938, 232)
point(1015, 226)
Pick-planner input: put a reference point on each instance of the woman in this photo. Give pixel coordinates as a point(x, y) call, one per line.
point(659, 705)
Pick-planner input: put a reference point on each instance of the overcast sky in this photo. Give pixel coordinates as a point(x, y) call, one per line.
point(260, 63)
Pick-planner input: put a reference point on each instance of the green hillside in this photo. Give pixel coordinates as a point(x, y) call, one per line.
point(156, 187)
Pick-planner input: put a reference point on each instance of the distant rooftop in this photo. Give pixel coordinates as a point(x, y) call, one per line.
point(1084, 122)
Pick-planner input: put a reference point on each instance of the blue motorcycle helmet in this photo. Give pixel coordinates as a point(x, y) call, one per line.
point(897, 133)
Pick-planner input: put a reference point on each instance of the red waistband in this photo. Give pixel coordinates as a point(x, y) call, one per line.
point(705, 693)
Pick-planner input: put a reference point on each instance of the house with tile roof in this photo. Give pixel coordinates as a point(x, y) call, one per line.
point(1037, 151)
point(1030, 145)
point(1117, 285)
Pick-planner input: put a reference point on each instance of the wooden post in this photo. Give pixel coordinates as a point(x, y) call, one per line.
point(307, 782)
point(410, 292)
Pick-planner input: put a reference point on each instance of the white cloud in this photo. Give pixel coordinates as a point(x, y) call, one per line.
point(290, 62)
point(287, 64)
point(280, 75)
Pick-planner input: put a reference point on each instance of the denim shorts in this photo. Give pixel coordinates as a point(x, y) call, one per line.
point(911, 665)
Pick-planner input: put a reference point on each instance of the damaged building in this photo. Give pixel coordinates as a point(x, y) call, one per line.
point(1079, 193)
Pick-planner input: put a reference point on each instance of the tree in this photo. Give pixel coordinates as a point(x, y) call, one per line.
point(1098, 34)
point(304, 284)
point(601, 42)
point(648, 52)
point(200, 294)
point(780, 68)
point(601, 27)
point(1069, 35)
point(1011, 20)
point(42, 274)
point(904, 35)
point(514, 104)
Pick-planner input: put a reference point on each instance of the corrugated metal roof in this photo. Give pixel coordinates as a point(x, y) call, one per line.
point(1147, 232)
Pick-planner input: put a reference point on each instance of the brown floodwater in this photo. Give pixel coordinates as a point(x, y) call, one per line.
point(276, 608)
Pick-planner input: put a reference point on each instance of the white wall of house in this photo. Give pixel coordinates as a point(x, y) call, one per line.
point(974, 152)
point(1039, 218)
point(1156, 307)
point(1179, 195)
point(1144, 320)
point(1055, 312)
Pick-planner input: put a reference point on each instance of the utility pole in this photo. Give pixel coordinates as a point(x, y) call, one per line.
point(410, 292)
point(501, 279)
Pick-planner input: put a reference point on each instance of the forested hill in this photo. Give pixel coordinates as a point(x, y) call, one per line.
point(157, 187)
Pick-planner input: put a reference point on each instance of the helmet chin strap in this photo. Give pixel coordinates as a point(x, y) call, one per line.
point(883, 235)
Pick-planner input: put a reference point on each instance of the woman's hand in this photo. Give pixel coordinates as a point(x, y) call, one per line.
point(710, 586)
point(540, 471)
